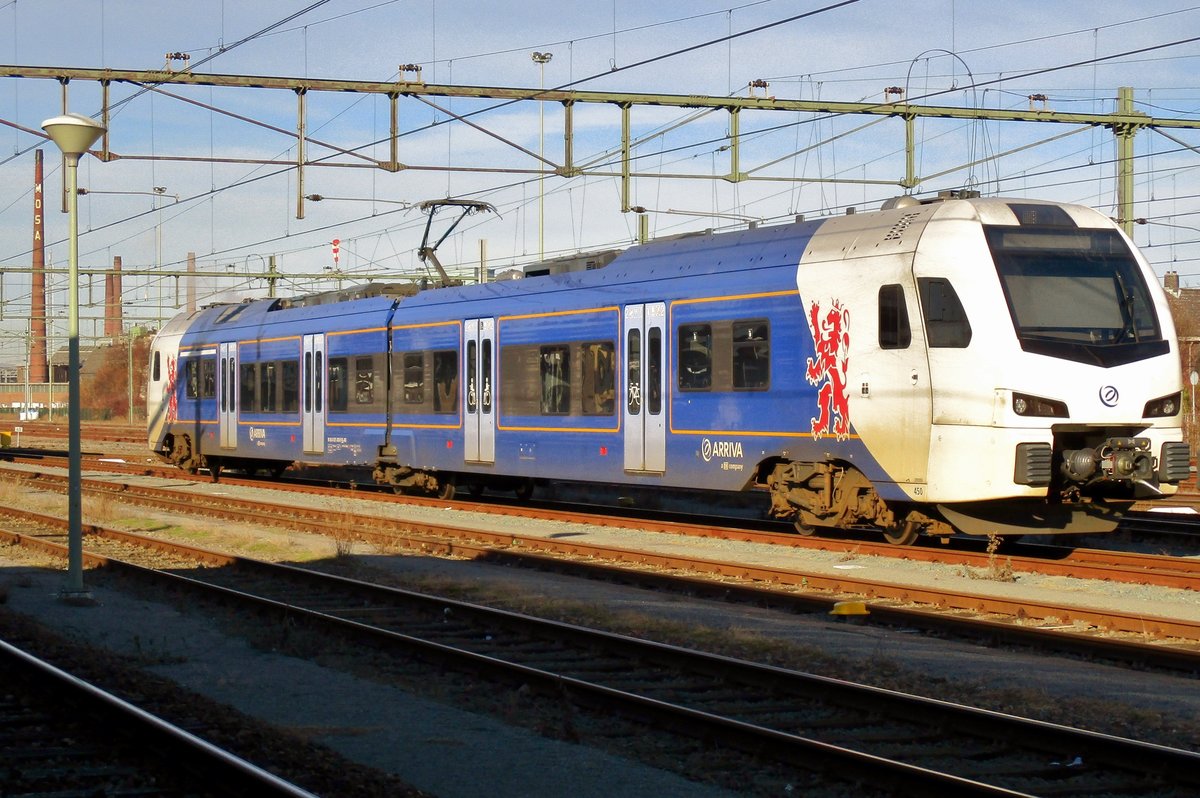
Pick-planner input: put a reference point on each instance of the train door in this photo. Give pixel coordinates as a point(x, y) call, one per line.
point(890, 389)
point(480, 378)
point(227, 371)
point(645, 387)
point(312, 413)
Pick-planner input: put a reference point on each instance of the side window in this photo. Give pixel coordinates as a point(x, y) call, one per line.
point(695, 357)
point(266, 384)
point(894, 332)
point(485, 371)
point(192, 383)
point(156, 369)
point(291, 386)
point(445, 381)
point(472, 367)
point(751, 355)
point(654, 361)
point(946, 324)
point(414, 378)
point(318, 382)
point(338, 384)
point(247, 385)
point(555, 365)
point(208, 378)
point(364, 380)
point(633, 360)
point(599, 379)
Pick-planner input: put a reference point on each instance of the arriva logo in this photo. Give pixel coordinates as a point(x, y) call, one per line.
point(710, 449)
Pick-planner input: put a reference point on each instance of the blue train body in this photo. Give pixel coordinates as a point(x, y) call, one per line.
point(815, 362)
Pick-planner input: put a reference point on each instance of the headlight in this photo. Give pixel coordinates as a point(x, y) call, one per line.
point(1025, 405)
point(1164, 406)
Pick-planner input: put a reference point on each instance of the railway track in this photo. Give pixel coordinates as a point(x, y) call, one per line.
point(1040, 558)
point(898, 743)
point(93, 432)
point(63, 736)
point(1148, 641)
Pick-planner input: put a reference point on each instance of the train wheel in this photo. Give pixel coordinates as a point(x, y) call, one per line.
point(803, 528)
point(524, 490)
point(901, 534)
point(446, 490)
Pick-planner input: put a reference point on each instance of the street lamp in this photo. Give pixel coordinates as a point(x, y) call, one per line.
point(74, 134)
point(541, 59)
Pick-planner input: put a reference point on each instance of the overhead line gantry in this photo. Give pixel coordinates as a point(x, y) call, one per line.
point(1124, 123)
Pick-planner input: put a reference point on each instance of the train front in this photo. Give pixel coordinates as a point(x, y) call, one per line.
point(1072, 335)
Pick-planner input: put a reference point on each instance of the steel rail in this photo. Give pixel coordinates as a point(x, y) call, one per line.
point(1143, 654)
point(378, 529)
point(1149, 569)
point(479, 544)
point(206, 761)
point(1182, 767)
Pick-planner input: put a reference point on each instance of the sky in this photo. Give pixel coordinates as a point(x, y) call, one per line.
point(199, 144)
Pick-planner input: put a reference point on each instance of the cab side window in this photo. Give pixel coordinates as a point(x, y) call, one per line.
point(894, 332)
point(946, 324)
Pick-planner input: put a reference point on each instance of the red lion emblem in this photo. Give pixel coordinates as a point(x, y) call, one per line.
point(827, 368)
point(172, 398)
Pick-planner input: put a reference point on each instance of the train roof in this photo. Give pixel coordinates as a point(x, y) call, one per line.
point(894, 229)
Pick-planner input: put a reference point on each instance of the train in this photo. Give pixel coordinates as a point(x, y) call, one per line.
point(960, 364)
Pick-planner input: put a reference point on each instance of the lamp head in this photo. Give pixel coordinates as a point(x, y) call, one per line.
point(73, 133)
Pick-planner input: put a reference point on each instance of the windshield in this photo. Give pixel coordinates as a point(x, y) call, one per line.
point(1076, 294)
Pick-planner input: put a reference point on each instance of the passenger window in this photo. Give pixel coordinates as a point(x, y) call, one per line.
point(445, 381)
point(208, 378)
point(246, 386)
point(485, 371)
point(338, 378)
point(654, 359)
point(291, 386)
point(633, 362)
point(157, 368)
point(894, 332)
point(599, 379)
point(414, 378)
point(695, 357)
point(364, 381)
point(751, 355)
point(266, 382)
point(946, 324)
point(318, 382)
point(555, 365)
point(472, 368)
point(192, 382)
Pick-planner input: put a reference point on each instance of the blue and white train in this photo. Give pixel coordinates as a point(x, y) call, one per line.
point(981, 365)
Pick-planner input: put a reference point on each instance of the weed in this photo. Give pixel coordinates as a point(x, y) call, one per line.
point(996, 571)
point(849, 555)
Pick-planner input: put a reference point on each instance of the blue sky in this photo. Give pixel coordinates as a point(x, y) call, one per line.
point(235, 216)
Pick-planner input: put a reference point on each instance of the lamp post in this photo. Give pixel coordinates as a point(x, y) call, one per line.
point(74, 134)
point(541, 59)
